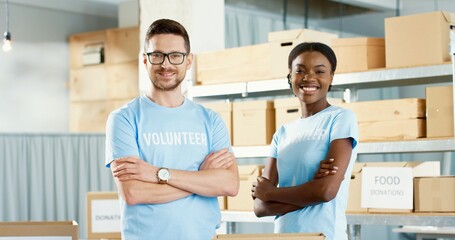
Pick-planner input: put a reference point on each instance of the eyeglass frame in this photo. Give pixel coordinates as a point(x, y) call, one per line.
point(164, 57)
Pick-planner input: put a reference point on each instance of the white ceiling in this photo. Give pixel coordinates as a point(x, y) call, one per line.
point(105, 8)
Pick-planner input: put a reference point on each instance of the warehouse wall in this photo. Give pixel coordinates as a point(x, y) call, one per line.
point(34, 75)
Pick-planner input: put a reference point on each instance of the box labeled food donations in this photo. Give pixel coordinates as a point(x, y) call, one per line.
point(419, 39)
point(103, 215)
point(358, 54)
point(55, 230)
point(253, 122)
point(434, 194)
point(272, 236)
point(388, 186)
point(440, 111)
point(243, 201)
point(282, 42)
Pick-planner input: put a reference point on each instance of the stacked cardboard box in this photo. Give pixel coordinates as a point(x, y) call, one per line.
point(282, 42)
point(419, 39)
point(358, 54)
point(254, 122)
point(224, 109)
point(256, 62)
point(384, 120)
point(434, 194)
point(243, 201)
point(439, 111)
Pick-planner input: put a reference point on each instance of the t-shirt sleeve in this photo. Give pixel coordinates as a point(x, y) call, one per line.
point(273, 150)
point(345, 126)
point(120, 138)
point(220, 133)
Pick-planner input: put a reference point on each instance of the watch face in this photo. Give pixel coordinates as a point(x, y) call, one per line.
point(163, 174)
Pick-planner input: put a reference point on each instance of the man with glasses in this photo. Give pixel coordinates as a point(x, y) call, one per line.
point(170, 157)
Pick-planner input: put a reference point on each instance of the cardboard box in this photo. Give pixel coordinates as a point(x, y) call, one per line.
point(388, 186)
point(273, 236)
point(286, 110)
point(59, 230)
point(440, 111)
point(434, 194)
point(253, 122)
point(384, 110)
point(243, 201)
point(358, 54)
point(282, 42)
point(241, 64)
point(224, 109)
point(355, 188)
point(103, 215)
point(222, 201)
point(394, 119)
point(420, 39)
point(403, 129)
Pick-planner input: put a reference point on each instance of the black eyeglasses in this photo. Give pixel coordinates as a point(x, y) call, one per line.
point(175, 58)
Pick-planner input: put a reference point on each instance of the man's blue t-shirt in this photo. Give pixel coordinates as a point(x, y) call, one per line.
point(299, 147)
point(176, 138)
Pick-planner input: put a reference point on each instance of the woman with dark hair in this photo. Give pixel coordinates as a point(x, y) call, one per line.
point(294, 186)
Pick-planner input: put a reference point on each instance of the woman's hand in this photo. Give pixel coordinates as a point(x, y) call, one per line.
point(326, 167)
point(262, 188)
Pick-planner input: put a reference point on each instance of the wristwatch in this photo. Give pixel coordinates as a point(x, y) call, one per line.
point(163, 175)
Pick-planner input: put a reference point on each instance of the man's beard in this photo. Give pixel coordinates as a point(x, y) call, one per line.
point(162, 87)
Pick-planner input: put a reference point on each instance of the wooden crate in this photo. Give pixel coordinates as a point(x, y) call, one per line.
point(91, 116)
point(89, 83)
point(122, 45)
point(123, 80)
point(78, 42)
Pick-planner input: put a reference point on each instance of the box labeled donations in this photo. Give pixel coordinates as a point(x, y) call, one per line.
point(103, 215)
point(388, 187)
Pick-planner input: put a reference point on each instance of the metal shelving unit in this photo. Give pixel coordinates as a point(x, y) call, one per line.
point(360, 80)
point(412, 219)
point(409, 146)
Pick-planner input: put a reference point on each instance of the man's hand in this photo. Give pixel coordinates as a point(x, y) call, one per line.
point(326, 167)
point(221, 159)
point(261, 188)
point(131, 168)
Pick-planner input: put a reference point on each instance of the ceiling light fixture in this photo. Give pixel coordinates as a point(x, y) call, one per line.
point(7, 35)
